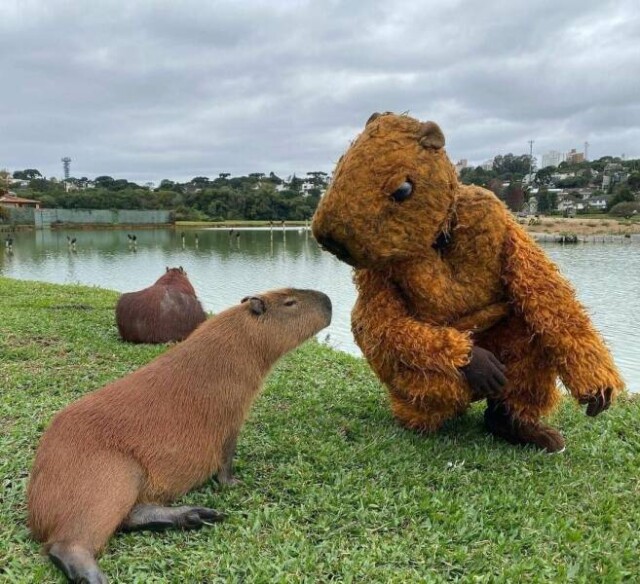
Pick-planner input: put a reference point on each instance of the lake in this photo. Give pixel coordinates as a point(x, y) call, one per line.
point(224, 267)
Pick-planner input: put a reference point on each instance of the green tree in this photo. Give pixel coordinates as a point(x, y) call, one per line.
point(544, 175)
point(514, 196)
point(4, 180)
point(547, 201)
point(510, 166)
point(634, 181)
point(27, 174)
point(477, 176)
point(622, 195)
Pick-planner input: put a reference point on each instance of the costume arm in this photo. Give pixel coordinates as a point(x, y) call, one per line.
point(550, 308)
point(383, 327)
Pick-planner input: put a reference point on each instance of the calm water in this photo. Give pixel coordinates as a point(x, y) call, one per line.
point(225, 268)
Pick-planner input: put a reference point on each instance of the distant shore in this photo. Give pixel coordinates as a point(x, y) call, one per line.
point(601, 228)
point(583, 226)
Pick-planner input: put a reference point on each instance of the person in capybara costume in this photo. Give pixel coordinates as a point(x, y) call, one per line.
point(456, 303)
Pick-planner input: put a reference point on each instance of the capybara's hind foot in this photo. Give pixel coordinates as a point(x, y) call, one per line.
point(501, 423)
point(158, 518)
point(76, 563)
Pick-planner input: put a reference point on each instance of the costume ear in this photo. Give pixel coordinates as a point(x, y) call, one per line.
point(431, 136)
point(373, 116)
point(256, 304)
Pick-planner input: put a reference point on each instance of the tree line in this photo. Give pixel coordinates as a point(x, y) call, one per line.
point(252, 197)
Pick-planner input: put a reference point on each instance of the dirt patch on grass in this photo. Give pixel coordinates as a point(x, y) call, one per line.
point(584, 226)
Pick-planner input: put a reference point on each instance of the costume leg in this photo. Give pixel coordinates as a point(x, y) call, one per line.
point(423, 401)
point(531, 390)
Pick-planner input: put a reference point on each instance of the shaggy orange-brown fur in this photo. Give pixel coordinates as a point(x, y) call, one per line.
point(443, 270)
point(169, 310)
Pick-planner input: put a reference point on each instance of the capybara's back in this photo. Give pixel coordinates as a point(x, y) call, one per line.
point(167, 311)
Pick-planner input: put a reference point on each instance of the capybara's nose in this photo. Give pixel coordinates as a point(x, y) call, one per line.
point(326, 304)
point(335, 247)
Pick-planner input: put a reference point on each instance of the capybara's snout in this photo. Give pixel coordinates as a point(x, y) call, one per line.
point(316, 305)
point(325, 305)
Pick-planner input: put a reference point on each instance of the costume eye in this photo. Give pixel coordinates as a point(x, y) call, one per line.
point(290, 302)
point(403, 192)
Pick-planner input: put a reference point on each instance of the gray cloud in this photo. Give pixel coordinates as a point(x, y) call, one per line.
point(152, 90)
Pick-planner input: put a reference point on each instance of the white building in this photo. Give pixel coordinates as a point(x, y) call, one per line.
point(461, 165)
point(552, 158)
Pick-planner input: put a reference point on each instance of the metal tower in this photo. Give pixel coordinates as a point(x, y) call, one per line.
point(531, 160)
point(66, 165)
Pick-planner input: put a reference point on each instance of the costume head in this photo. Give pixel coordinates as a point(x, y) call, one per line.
point(392, 194)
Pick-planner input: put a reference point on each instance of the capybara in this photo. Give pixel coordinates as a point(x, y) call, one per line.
point(167, 311)
point(115, 458)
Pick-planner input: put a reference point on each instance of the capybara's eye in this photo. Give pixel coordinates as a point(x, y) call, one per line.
point(403, 192)
point(290, 302)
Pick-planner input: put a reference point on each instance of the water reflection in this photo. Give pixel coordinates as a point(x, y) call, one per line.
point(225, 265)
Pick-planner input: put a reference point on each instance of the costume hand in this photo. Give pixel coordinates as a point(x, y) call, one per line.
point(484, 373)
point(598, 403)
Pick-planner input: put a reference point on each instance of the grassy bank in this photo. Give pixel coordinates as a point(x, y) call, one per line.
point(332, 489)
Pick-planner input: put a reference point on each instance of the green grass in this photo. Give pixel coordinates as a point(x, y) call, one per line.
point(333, 489)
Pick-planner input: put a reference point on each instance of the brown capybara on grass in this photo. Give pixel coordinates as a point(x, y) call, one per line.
point(114, 458)
point(167, 311)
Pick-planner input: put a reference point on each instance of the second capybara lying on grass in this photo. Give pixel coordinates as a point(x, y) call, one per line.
point(114, 458)
point(167, 311)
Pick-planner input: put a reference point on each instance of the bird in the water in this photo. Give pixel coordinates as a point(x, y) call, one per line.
point(8, 243)
point(71, 241)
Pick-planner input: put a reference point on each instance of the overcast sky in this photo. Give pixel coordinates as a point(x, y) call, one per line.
point(153, 90)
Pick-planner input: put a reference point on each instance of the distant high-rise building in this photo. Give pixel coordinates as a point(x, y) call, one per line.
point(551, 158)
point(487, 164)
point(574, 157)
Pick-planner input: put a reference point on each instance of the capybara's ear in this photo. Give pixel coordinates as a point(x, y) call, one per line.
point(181, 269)
point(431, 136)
point(167, 268)
point(257, 305)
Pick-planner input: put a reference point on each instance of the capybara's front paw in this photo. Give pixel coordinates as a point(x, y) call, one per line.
point(599, 402)
point(228, 482)
point(196, 517)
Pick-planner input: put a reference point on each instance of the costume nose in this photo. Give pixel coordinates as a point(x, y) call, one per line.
point(336, 248)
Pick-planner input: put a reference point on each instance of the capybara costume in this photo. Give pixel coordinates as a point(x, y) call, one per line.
point(114, 458)
point(169, 310)
point(455, 301)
